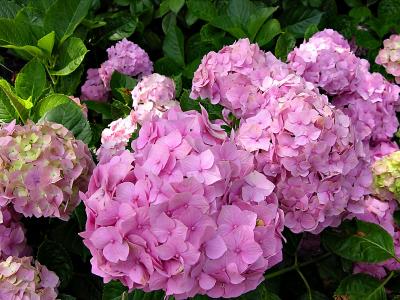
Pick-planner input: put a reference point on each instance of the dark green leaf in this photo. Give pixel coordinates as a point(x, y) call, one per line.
point(389, 11)
point(353, 3)
point(307, 18)
point(178, 84)
point(258, 19)
point(64, 16)
point(17, 34)
point(71, 116)
point(31, 80)
point(71, 55)
point(113, 290)
point(311, 30)
point(65, 297)
point(102, 108)
point(360, 287)
point(360, 241)
point(119, 80)
point(56, 259)
point(173, 46)
point(46, 43)
point(167, 67)
point(284, 45)
point(168, 21)
point(239, 11)
point(202, 9)
point(366, 39)
point(268, 31)
point(360, 13)
point(260, 293)
point(124, 31)
point(223, 22)
point(175, 5)
point(67, 85)
point(87, 287)
point(8, 9)
point(315, 295)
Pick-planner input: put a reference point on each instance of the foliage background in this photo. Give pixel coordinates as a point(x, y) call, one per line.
point(47, 46)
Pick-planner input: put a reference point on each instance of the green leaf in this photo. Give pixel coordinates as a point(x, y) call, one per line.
point(48, 103)
point(258, 19)
point(360, 13)
point(113, 290)
point(360, 287)
point(166, 66)
point(85, 286)
point(46, 43)
point(202, 9)
point(284, 45)
point(124, 31)
point(65, 297)
point(71, 55)
point(18, 103)
point(315, 295)
point(239, 11)
point(223, 22)
point(307, 18)
point(7, 111)
point(67, 85)
point(389, 11)
point(56, 258)
point(367, 40)
point(31, 80)
point(178, 84)
point(353, 3)
point(8, 9)
point(168, 21)
point(119, 80)
point(311, 30)
point(268, 31)
point(173, 46)
point(102, 108)
point(175, 5)
point(16, 34)
point(64, 16)
point(71, 116)
point(360, 241)
point(260, 293)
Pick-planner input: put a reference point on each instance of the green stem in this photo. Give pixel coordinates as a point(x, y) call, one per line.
point(295, 266)
point(387, 279)
point(305, 283)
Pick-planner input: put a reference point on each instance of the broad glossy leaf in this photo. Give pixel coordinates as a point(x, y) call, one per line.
point(268, 31)
point(360, 287)
point(46, 43)
point(257, 20)
point(48, 103)
point(173, 46)
point(31, 80)
point(7, 111)
point(8, 9)
point(68, 85)
point(64, 16)
point(175, 5)
point(360, 241)
point(18, 103)
point(239, 11)
point(71, 116)
point(311, 30)
point(124, 31)
point(202, 9)
point(306, 19)
point(284, 45)
point(71, 55)
point(17, 34)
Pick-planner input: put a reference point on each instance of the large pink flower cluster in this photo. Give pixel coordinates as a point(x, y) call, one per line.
point(184, 212)
point(42, 169)
point(124, 57)
point(20, 279)
point(368, 98)
point(389, 56)
point(381, 213)
point(154, 94)
point(12, 234)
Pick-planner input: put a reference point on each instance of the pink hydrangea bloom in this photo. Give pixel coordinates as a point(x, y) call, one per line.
point(127, 58)
point(116, 136)
point(327, 61)
point(12, 234)
point(381, 213)
point(389, 56)
point(93, 88)
point(20, 279)
point(154, 94)
point(184, 212)
point(42, 169)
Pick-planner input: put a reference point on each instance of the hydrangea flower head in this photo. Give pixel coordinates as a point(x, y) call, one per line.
point(389, 56)
point(43, 168)
point(21, 279)
point(127, 58)
point(185, 212)
point(387, 176)
point(93, 88)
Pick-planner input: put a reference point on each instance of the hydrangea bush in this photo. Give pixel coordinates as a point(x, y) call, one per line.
point(199, 149)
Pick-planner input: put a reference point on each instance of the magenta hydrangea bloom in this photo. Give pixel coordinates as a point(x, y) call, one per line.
point(42, 169)
point(127, 58)
point(93, 88)
point(389, 56)
point(116, 136)
point(381, 213)
point(154, 94)
point(21, 279)
point(327, 61)
point(12, 234)
point(184, 212)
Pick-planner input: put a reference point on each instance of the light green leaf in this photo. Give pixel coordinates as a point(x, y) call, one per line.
point(284, 45)
point(360, 287)
point(46, 43)
point(32, 50)
point(173, 46)
point(18, 103)
point(7, 111)
point(64, 16)
point(71, 116)
point(71, 55)
point(175, 5)
point(360, 242)
point(48, 103)
point(258, 19)
point(268, 31)
point(8, 9)
point(31, 80)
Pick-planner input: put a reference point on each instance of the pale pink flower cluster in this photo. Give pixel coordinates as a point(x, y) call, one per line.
point(154, 94)
point(389, 56)
point(381, 213)
point(42, 169)
point(367, 98)
point(124, 57)
point(185, 212)
point(300, 141)
point(21, 279)
point(12, 234)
